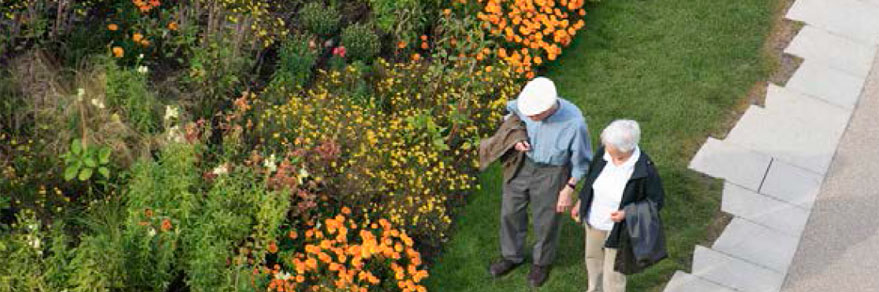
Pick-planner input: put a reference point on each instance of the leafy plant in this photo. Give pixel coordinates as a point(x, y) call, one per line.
point(319, 19)
point(361, 42)
point(403, 19)
point(82, 161)
point(127, 89)
point(295, 62)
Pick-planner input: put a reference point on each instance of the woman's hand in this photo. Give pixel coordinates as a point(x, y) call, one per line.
point(575, 212)
point(618, 216)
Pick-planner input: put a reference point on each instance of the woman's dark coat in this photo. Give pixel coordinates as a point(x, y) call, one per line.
point(643, 185)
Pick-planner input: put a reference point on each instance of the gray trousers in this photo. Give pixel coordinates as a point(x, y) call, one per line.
point(538, 185)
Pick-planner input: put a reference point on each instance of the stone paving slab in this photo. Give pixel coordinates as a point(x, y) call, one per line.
point(850, 18)
point(829, 84)
point(735, 273)
point(794, 128)
point(816, 45)
point(684, 282)
point(777, 215)
point(757, 244)
point(791, 184)
point(733, 163)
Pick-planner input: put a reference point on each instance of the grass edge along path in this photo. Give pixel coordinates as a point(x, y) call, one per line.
point(680, 68)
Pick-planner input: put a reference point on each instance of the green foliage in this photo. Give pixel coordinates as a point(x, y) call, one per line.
point(361, 42)
point(98, 263)
point(225, 220)
point(217, 72)
point(295, 62)
point(83, 162)
point(127, 89)
point(161, 202)
point(403, 19)
point(319, 19)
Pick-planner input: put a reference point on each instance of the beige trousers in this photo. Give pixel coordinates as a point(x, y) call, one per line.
point(600, 262)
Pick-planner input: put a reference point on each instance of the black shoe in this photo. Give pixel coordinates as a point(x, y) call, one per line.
point(538, 275)
point(501, 267)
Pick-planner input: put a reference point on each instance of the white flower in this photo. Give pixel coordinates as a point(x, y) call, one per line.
point(140, 56)
point(35, 242)
point(175, 135)
point(221, 169)
point(270, 163)
point(143, 69)
point(171, 112)
point(151, 232)
point(97, 103)
point(79, 94)
point(303, 174)
point(283, 276)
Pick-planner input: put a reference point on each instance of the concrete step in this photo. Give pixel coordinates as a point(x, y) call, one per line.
point(757, 244)
point(729, 271)
point(798, 129)
point(770, 212)
point(684, 282)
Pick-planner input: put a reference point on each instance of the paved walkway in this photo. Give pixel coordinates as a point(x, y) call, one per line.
point(776, 158)
point(839, 250)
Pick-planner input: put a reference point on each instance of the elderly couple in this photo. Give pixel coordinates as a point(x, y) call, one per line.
point(543, 161)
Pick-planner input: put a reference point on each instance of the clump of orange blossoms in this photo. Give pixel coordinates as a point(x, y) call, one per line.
point(533, 31)
point(341, 254)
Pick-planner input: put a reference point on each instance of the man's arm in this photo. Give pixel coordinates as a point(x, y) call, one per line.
point(581, 153)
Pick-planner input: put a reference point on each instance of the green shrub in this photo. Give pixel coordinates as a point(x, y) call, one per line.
point(403, 19)
point(361, 42)
point(319, 19)
point(127, 89)
point(295, 62)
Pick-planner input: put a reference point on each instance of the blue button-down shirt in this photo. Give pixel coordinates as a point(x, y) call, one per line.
point(560, 139)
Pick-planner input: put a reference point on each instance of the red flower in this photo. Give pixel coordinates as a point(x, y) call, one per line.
point(166, 225)
point(339, 51)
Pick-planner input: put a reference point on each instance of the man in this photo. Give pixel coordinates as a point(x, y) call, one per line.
point(558, 154)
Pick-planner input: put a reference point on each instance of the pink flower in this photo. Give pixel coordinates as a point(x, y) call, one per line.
point(339, 51)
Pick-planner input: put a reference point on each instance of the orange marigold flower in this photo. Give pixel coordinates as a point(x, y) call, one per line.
point(145, 43)
point(172, 25)
point(424, 46)
point(112, 27)
point(416, 57)
point(423, 37)
point(488, 69)
point(148, 213)
point(401, 45)
point(293, 234)
point(118, 52)
point(530, 75)
point(447, 12)
point(346, 210)
point(166, 224)
point(273, 248)
point(137, 37)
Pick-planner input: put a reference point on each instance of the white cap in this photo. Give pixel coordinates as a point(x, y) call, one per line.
point(538, 96)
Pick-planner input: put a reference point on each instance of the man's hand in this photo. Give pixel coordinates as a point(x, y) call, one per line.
point(575, 212)
point(564, 202)
point(523, 146)
point(618, 216)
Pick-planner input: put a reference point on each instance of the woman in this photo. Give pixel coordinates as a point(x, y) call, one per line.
point(619, 175)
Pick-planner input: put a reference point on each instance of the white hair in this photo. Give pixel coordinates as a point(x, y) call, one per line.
point(623, 135)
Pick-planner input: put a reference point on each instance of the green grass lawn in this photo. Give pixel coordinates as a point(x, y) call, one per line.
point(679, 67)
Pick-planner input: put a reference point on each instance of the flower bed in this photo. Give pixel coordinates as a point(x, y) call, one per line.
point(236, 145)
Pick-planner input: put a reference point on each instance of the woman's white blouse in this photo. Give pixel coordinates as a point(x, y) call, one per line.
point(608, 190)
